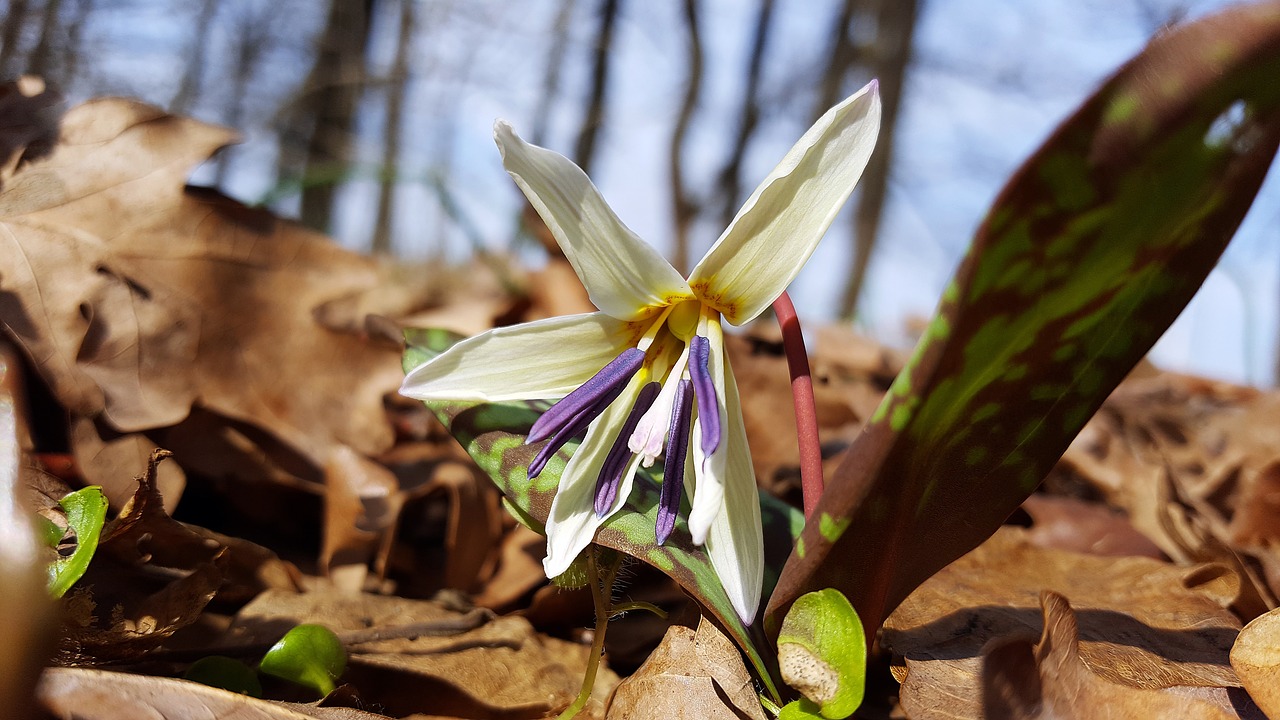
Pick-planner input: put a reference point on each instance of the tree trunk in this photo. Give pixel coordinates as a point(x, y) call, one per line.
point(551, 73)
point(584, 154)
point(193, 75)
point(325, 113)
point(42, 56)
point(683, 207)
point(382, 229)
point(896, 26)
point(729, 184)
point(11, 35)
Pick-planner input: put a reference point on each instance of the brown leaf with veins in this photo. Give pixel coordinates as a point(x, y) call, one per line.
point(137, 299)
point(86, 694)
point(1143, 623)
point(1051, 680)
point(691, 675)
point(1256, 658)
point(502, 668)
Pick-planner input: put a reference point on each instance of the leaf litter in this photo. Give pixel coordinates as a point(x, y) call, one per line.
point(301, 489)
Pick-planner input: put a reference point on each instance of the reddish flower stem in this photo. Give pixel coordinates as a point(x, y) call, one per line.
point(802, 394)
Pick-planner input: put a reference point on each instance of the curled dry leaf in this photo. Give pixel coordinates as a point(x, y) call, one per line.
point(1022, 681)
point(87, 694)
point(1192, 462)
point(137, 300)
point(1143, 623)
point(1067, 523)
point(691, 675)
point(1256, 659)
point(433, 660)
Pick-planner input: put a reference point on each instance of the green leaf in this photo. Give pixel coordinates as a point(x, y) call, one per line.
point(494, 436)
point(823, 653)
point(1089, 253)
point(48, 531)
point(309, 655)
point(227, 673)
point(86, 513)
point(802, 709)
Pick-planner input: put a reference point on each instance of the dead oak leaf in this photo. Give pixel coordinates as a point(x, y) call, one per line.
point(1143, 623)
point(137, 299)
point(1052, 680)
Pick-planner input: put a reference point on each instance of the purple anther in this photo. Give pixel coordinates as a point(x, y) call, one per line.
point(673, 467)
point(615, 463)
point(705, 388)
point(570, 409)
point(575, 428)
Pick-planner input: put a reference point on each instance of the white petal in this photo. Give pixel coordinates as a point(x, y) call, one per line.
point(623, 274)
point(544, 359)
point(778, 228)
point(735, 542)
point(708, 499)
point(572, 520)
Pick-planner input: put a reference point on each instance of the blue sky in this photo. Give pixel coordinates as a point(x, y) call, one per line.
point(991, 80)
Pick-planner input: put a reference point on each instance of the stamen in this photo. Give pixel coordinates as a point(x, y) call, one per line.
point(570, 409)
point(615, 463)
point(649, 434)
point(705, 389)
point(575, 428)
point(673, 467)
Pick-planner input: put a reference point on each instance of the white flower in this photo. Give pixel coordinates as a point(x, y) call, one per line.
point(647, 375)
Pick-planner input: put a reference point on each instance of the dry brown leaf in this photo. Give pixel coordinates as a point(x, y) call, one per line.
point(1067, 523)
point(361, 502)
point(1143, 623)
point(500, 668)
point(1188, 461)
point(1051, 680)
point(1256, 659)
point(86, 694)
point(691, 675)
point(136, 299)
point(519, 569)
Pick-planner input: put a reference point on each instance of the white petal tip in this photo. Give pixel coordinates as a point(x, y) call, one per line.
point(873, 87)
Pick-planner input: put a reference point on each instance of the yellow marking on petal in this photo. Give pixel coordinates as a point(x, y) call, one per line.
point(702, 289)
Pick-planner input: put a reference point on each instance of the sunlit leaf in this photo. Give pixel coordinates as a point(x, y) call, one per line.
point(309, 655)
point(823, 654)
point(1090, 252)
point(86, 513)
point(494, 436)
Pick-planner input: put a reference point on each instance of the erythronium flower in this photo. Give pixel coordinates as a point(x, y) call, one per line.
point(647, 375)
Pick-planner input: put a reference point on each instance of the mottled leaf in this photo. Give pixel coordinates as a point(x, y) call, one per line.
point(494, 436)
point(1089, 253)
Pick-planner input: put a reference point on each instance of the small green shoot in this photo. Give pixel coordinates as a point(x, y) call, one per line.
point(309, 655)
point(823, 654)
point(227, 673)
point(86, 513)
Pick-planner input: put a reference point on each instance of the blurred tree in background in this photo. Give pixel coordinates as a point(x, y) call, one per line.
point(368, 119)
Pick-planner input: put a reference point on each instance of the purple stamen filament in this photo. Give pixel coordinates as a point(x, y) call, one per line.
point(705, 389)
point(615, 463)
point(570, 409)
point(673, 467)
point(580, 422)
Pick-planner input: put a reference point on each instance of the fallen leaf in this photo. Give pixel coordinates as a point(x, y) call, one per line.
point(691, 675)
point(1256, 659)
point(1143, 623)
point(137, 300)
point(1066, 523)
point(501, 667)
point(1052, 680)
point(87, 694)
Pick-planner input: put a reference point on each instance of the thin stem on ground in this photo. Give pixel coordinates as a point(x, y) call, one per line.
point(601, 591)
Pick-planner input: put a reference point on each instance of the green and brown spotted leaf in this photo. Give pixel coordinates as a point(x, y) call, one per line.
point(1089, 253)
point(494, 435)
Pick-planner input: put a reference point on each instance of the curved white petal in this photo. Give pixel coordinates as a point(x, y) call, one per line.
point(572, 521)
point(624, 276)
point(544, 359)
point(778, 228)
point(708, 497)
point(735, 542)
